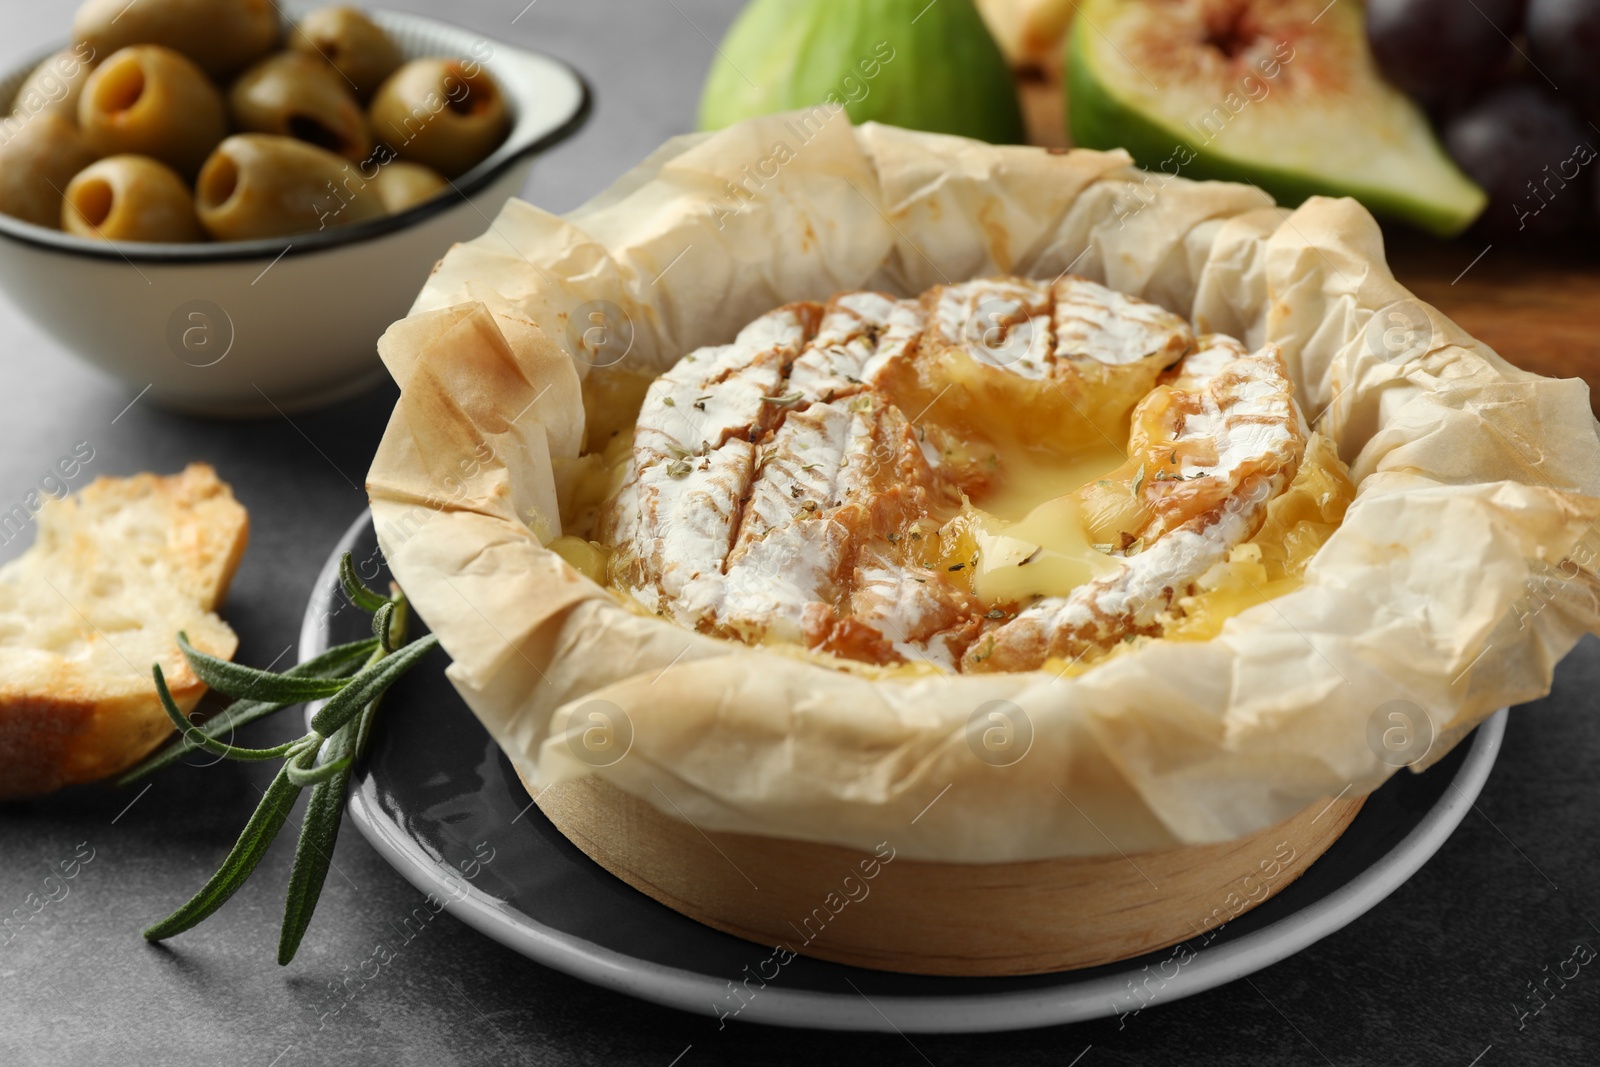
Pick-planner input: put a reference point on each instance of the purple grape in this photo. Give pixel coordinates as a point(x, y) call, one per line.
point(1564, 44)
point(1441, 52)
point(1532, 157)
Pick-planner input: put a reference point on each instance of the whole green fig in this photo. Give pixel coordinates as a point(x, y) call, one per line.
point(913, 63)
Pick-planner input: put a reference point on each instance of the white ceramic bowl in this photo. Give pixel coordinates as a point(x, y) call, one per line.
point(248, 328)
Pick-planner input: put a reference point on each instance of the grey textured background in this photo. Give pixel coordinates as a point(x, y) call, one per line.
point(1429, 977)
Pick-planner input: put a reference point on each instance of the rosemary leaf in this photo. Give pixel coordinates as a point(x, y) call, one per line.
point(304, 775)
point(319, 829)
point(237, 680)
point(399, 622)
point(247, 852)
point(204, 740)
point(354, 588)
point(381, 622)
point(341, 661)
point(365, 687)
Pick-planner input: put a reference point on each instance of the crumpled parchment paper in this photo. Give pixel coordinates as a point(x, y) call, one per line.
point(1463, 572)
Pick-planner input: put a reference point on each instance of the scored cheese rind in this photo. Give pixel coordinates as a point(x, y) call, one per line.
point(845, 478)
point(1235, 416)
point(1095, 323)
point(1211, 448)
point(755, 542)
point(718, 393)
point(1002, 323)
point(1013, 361)
point(900, 610)
point(692, 459)
point(684, 519)
point(1056, 329)
point(773, 480)
point(804, 468)
point(860, 333)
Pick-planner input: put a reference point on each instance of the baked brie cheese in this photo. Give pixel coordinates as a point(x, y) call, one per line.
point(1001, 475)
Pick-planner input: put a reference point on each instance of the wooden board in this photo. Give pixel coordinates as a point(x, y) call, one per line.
point(1538, 306)
point(888, 912)
point(1044, 108)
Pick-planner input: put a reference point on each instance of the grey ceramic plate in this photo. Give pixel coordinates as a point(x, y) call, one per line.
point(436, 796)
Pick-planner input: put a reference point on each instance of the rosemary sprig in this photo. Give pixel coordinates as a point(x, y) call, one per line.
point(352, 678)
point(341, 661)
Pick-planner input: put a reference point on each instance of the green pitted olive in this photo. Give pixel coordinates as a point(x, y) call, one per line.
point(149, 100)
point(221, 36)
point(447, 114)
point(55, 85)
point(351, 43)
point(261, 185)
point(130, 198)
point(405, 185)
point(295, 95)
point(39, 154)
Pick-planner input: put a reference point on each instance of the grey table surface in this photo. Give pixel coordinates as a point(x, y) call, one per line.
point(1437, 974)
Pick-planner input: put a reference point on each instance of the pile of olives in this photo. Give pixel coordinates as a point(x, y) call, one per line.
point(189, 120)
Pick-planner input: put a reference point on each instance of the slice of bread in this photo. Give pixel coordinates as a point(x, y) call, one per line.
point(116, 571)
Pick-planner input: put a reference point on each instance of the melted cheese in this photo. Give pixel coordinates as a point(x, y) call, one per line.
point(1268, 565)
point(1047, 553)
point(1022, 535)
point(588, 558)
point(1299, 522)
point(906, 486)
point(1031, 476)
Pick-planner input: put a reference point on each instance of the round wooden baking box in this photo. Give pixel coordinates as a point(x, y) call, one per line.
point(898, 914)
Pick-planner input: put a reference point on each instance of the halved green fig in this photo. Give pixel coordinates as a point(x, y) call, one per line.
point(1283, 94)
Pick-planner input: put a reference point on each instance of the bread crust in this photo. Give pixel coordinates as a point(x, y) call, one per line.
point(167, 545)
